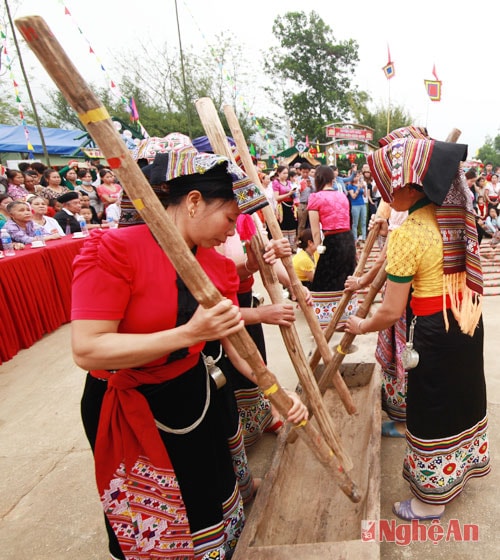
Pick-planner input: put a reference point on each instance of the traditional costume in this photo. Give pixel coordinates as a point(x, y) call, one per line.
point(338, 260)
point(164, 469)
point(436, 249)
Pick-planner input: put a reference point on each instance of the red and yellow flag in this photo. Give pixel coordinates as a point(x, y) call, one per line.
point(389, 69)
point(433, 87)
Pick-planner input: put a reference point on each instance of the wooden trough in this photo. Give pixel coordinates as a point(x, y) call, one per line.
point(299, 511)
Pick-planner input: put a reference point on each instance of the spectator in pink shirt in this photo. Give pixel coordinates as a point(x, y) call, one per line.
point(329, 216)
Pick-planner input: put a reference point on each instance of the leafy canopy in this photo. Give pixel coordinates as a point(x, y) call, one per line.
point(315, 72)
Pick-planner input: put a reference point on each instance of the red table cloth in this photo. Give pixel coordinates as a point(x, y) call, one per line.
point(35, 293)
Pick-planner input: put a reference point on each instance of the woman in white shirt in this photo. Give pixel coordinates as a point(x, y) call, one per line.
point(39, 207)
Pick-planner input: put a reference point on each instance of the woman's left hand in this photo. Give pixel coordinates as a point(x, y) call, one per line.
point(305, 291)
point(298, 410)
point(277, 314)
point(251, 263)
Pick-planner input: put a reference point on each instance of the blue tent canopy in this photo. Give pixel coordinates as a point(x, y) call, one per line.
point(58, 141)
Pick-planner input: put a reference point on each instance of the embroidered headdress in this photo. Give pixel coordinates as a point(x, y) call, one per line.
point(435, 166)
point(181, 168)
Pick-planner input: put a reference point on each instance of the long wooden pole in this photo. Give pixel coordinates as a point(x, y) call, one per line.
point(99, 125)
point(212, 127)
point(218, 141)
point(382, 211)
point(312, 321)
point(347, 339)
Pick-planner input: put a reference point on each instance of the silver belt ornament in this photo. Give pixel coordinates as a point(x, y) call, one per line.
point(216, 374)
point(409, 356)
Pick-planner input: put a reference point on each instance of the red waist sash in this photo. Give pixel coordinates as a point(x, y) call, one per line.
point(429, 305)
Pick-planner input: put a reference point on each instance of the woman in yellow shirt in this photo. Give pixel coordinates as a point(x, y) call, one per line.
point(436, 253)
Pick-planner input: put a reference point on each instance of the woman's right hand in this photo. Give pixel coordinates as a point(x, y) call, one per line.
point(377, 220)
point(214, 323)
point(277, 314)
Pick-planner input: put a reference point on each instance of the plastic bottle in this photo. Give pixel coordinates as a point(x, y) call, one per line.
point(83, 227)
point(111, 222)
point(39, 236)
point(8, 246)
point(67, 231)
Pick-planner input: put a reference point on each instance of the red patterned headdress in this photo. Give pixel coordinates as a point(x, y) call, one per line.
point(435, 166)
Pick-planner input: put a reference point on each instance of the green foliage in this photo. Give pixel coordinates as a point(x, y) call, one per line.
point(165, 90)
point(490, 151)
point(311, 72)
point(57, 113)
point(154, 77)
point(398, 117)
point(8, 113)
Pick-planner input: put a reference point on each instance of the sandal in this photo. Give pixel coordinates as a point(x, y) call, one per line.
point(404, 511)
point(389, 430)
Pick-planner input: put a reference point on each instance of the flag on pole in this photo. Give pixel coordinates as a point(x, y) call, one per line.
point(389, 69)
point(433, 87)
point(134, 113)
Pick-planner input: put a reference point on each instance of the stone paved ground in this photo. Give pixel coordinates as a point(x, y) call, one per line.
point(49, 508)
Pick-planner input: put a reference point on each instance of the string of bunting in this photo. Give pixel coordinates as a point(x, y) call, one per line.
point(128, 104)
point(17, 94)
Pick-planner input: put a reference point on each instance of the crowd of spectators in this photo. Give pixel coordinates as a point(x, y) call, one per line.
point(37, 201)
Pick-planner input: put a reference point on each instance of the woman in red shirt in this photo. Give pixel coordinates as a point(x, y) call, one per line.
point(163, 466)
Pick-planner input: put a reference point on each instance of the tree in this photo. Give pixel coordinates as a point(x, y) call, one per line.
point(398, 117)
point(490, 151)
point(165, 95)
point(312, 72)
point(9, 112)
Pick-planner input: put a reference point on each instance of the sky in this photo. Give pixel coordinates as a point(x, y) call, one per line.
point(460, 39)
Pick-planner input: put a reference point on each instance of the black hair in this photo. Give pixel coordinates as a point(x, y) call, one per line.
point(38, 166)
point(23, 166)
point(304, 238)
point(323, 176)
point(104, 171)
point(82, 172)
point(11, 173)
point(5, 195)
point(48, 171)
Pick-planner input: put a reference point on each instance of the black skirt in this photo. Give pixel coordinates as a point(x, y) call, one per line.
point(336, 263)
point(446, 391)
point(289, 221)
point(447, 425)
point(201, 458)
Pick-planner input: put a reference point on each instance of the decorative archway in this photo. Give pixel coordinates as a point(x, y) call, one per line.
point(348, 140)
